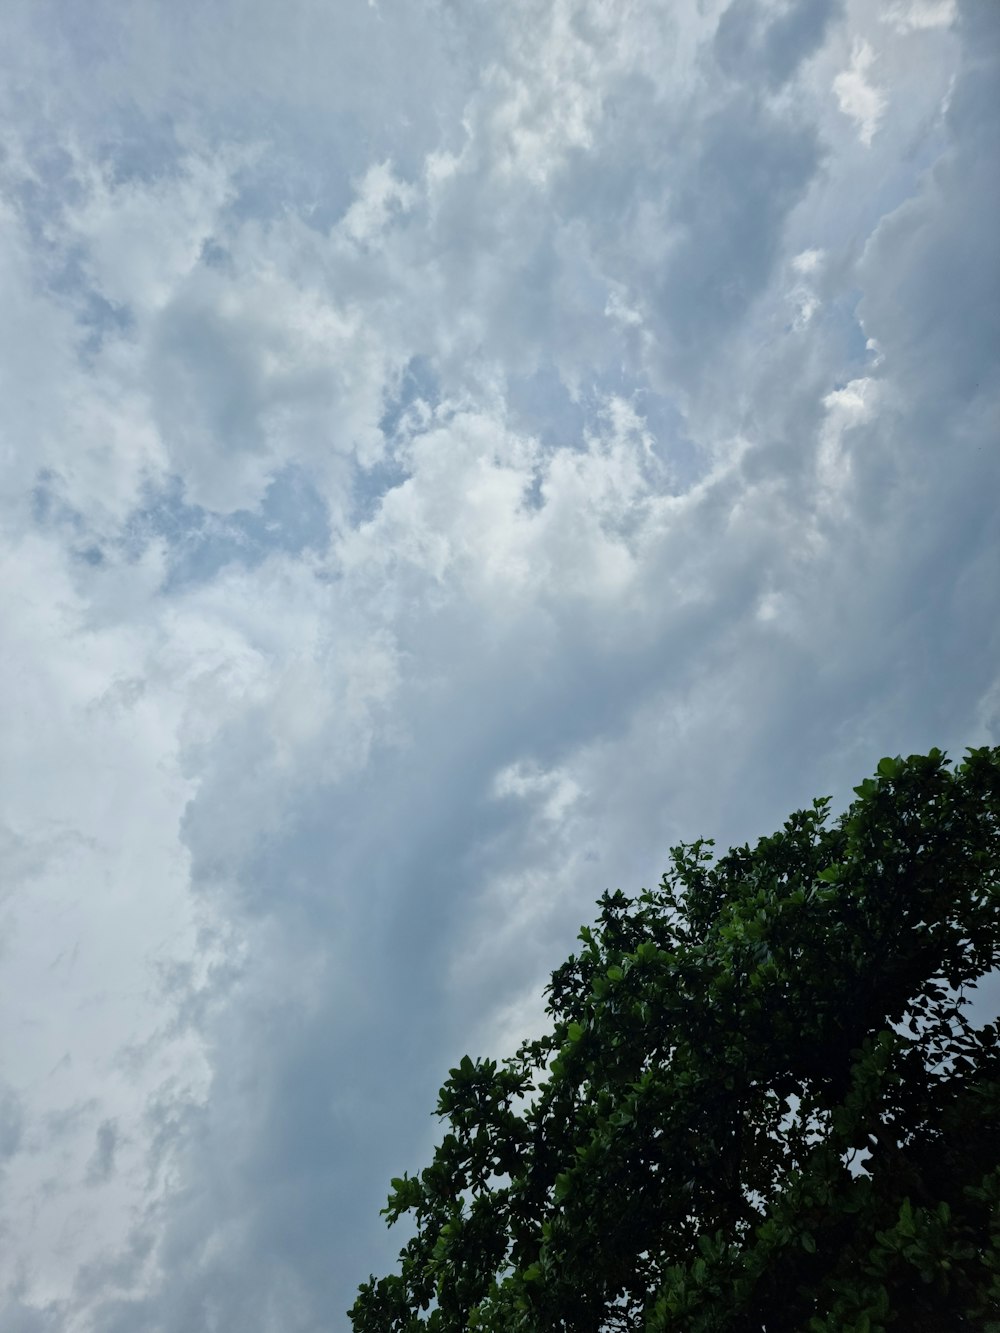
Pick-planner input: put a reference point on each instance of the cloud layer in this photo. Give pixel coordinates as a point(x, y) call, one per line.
point(450, 454)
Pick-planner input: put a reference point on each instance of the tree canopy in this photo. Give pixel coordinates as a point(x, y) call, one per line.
point(761, 1105)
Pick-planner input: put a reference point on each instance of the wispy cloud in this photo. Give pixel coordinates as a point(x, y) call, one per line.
point(857, 96)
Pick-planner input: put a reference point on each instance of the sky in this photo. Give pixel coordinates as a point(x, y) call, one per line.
point(451, 452)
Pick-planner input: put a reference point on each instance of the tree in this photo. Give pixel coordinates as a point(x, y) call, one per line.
point(761, 1105)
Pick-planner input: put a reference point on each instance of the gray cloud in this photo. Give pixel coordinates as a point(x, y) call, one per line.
point(101, 1166)
point(748, 42)
point(11, 1122)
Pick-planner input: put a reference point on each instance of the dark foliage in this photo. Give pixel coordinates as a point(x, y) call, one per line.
point(761, 1105)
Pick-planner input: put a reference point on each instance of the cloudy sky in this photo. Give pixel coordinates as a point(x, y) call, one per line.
point(451, 451)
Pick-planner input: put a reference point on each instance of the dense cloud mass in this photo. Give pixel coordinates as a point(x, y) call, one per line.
point(450, 453)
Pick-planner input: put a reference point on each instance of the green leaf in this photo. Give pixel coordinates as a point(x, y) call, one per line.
point(752, 1053)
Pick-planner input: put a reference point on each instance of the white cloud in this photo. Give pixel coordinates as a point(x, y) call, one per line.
point(907, 15)
point(557, 791)
point(861, 100)
point(808, 261)
point(97, 894)
point(806, 304)
point(141, 239)
point(379, 195)
point(847, 408)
